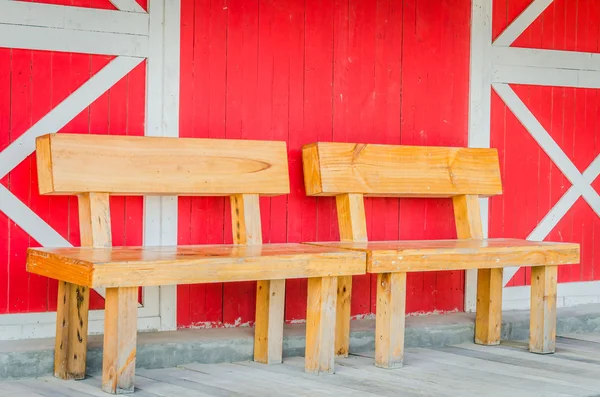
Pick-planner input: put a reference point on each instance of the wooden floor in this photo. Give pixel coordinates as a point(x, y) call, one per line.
point(462, 370)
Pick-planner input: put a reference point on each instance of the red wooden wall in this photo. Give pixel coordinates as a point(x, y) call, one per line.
point(382, 71)
point(572, 118)
point(31, 84)
point(386, 71)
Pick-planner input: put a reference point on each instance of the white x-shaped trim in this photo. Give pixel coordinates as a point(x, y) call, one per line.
point(52, 122)
point(581, 182)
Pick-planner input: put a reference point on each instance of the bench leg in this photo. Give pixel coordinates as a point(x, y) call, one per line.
point(268, 332)
point(71, 331)
point(320, 325)
point(120, 334)
point(488, 316)
point(390, 318)
point(342, 322)
point(542, 328)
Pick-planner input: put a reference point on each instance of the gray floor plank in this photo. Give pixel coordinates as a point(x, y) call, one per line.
point(587, 345)
point(54, 389)
point(84, 389)
point(358, 379)
point(551, 367)
point(276, 384)
point(446, 374)
point(188, 380)
point(216, 375)
point(480, 374)
point(563, 356)
point(165, 389)
point(538, 376)
point(17, 388)
point(95, 383)
point(592, 337)
point(345, 379)
point(288, 375)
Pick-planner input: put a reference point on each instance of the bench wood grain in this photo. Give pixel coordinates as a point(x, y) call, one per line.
point(164, 265)
point(436, 255)
point(352, 171)
point(97, 166)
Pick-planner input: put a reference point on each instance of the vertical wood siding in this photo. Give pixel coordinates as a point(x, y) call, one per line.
point(386, 71)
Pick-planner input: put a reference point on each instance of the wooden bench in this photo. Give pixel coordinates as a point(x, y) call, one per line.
point(94, 167)
point(351, 171)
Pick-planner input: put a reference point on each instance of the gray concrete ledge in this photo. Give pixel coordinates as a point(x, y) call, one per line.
point(35, 357)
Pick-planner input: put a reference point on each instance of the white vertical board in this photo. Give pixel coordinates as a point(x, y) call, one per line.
point(162, 119)
point(479, 111)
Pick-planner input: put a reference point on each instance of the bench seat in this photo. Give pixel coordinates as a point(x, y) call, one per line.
point(164, 265)
point(435, 255)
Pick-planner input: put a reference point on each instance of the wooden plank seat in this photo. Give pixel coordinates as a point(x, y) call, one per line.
point(351, 171)
point(93, 167)
point(437, 255)
point(193, 264)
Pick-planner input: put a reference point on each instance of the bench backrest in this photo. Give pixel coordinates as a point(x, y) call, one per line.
point(126, 165)
point(351, 171)
point(96, 166)
point(331, 169)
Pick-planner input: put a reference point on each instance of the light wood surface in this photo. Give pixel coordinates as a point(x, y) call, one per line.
point(351, 217)
point(542, 329)
point(389, 324)
point(332, 168)
point(245, 219)
point(320, 325)
point(353, 227)
point(467, 217)
point(434, 255)
point(74, 297)
point(70, 348)
point(270, 294)
point(128, 165)
point(269, 320)
point(147, 266)
point(488, 314)
point(120, 336)
point(94, 220)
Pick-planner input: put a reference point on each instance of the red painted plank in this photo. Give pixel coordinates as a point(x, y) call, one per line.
point(242, 52)
point(300, 207)
point(384, 223)
point(41, 62)
point(360, 112)
point(5, 77)
point(186, 128)
point(279, 30)
point(203, 115)
point(211, 221)
point(59, 216)
point(19, 180)
point(412, 211)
